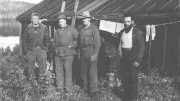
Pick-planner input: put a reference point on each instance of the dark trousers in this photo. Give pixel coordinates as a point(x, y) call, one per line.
point(129, 76)
point(37, 55)
point(63, 67)
point(89, 72)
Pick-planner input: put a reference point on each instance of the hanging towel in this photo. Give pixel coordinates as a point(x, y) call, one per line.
point(119, 27)
point(148, 31)
point(153, 31)
point(107, 26)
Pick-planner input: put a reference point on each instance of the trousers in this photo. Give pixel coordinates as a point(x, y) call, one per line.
point(37, 55)
point(129, 76)
point(63, 67)
point(89, 71)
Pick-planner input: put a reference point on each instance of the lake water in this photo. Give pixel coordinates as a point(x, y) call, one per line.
point(9, 33)
point(10, 28)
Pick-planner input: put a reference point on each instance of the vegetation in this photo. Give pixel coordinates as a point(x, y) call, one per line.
point(14, 85)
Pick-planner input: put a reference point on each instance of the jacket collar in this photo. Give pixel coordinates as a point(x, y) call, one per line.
point(31, 25)
point(133, 32)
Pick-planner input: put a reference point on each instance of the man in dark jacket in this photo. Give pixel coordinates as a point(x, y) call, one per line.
point(35, 44)
point(131, 50)
point(89, 45)
point(65, 39)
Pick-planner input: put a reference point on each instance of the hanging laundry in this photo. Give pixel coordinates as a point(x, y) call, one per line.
point(107, 26)
point(119, 27)
point(153, 31)
point(148, 31)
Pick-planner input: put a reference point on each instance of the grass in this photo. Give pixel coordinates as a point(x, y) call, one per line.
point(14, 85)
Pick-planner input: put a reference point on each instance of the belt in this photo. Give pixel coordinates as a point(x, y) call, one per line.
point(85, 46)
point(37, 47)
point(64, 46)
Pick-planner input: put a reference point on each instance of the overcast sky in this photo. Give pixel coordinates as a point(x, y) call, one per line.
point(30, 1)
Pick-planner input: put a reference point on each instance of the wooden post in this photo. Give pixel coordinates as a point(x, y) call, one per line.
point(21, 36)
point(179, 53)
point(164, 49)
point(150, 42)
point(63, 6)
point(179, 46)
point(20, 39)
point(75, 10)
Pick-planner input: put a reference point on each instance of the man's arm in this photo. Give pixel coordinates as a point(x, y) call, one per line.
point(46, 38)
point(97, 40)
point(75, 37)
point(141, 47)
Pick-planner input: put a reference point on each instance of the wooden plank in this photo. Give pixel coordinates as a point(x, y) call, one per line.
point(63, 6)
point(164, 49)
point(92, 6)
point(179, 53)
point(179, 46)
point(75, 10)
point(20, 38)
point(166, 4)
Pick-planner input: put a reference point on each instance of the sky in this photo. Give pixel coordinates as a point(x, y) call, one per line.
point(31, 1)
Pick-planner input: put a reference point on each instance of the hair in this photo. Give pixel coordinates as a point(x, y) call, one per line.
point(129, 15)
point(34, 14)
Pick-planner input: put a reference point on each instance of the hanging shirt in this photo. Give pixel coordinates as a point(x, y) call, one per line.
point(153, 31)
point(127, 39)
point(148, 31)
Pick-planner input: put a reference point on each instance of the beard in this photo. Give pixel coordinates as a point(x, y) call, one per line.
point(128, 28)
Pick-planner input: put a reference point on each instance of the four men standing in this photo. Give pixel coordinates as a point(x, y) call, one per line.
point(131, 50)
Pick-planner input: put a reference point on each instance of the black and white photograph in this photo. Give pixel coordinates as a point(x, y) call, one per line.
point(89, 50)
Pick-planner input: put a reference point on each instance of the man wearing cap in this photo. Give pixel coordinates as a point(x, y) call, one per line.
point(89, 45)
point(65, 39)
point(35, 41)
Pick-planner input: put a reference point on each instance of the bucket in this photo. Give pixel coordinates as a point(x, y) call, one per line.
point(110, 78)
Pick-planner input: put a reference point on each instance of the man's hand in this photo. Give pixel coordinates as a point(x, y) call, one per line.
point(78, 55)
point(136, 64)
point(94, 57)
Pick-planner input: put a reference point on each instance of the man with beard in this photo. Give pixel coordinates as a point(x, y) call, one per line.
point(35, 41)
point(89, 45)
point(65, 42)
point(131, 50)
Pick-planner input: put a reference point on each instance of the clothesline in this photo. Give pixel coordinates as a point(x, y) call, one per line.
point(163, 24)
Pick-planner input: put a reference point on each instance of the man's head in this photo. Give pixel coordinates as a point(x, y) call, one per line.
point(128, 21)
point(86, 18)
point(35, 18)
point(62, 21)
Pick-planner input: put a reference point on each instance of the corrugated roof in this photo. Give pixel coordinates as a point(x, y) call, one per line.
point(49, 9)
point(107, 9)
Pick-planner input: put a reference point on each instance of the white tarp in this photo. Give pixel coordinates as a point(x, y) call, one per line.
point(112, 27)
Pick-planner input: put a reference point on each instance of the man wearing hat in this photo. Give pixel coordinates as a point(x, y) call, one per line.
point(89, 45)
point(65, 41)
point(35, 41)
